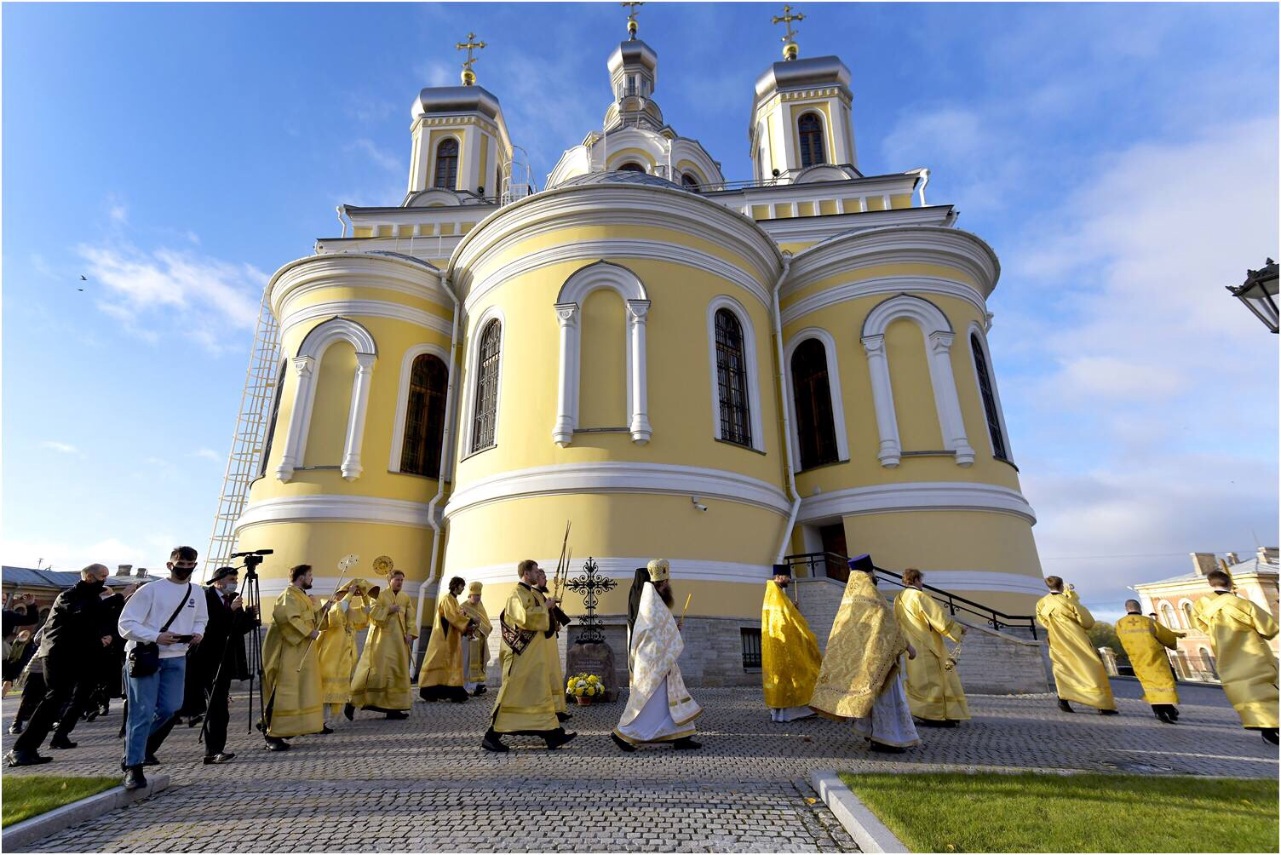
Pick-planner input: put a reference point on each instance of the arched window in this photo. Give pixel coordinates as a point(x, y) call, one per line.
point(1167, 616)
point(731, 377)
point(447, 164)
point(631, 166)
point(999, 450)
point(1207, 662)
point(275, 415)
point(813, 151)
point(486, 410)
point(1186, 607)
point(815, 426)
point(425, 417)
point(689, 182)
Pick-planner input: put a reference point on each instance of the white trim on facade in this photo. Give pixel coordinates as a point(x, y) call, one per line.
point(920, 496)
point(468, 409)
point(310, 352)
point(938, 341)
point(977, 332)
point(890, 285)
point(367, 309)
point(402, 396)
point(336, 509)
point(834, 384)
point(754, 402)
point(568, 307)
point(618, 477)
point(371, 268)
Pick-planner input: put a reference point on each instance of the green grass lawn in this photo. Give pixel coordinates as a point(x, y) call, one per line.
point(957, 812)
point(26, 796)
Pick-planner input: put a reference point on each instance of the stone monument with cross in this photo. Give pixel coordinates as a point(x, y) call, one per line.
point(590, 653)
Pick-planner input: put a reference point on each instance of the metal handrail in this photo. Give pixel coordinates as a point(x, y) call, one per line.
point(998, 620)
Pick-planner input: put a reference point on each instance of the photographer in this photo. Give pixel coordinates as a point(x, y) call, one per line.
point(158, 623)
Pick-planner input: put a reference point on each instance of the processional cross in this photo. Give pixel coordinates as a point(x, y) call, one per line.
point(789, 39)
point(589, 586)
point(632, 26)
point(469, 76)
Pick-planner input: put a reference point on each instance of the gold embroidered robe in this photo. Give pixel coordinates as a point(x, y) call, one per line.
point(655, 646)
point(1239, 632)
point(862, 652)
point(295, 695)
point(790, 657)
point(381, 682)
point(1079, 674)
point(934, 691)
point(525, 700)
point(478, 644)
point(337, 648)
point(1145, 642)
point(443, 664)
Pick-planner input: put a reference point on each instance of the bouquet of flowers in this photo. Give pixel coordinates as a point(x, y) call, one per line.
point(585, 686)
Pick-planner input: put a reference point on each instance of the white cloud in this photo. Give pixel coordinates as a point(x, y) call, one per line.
point(208, 454)
point(60, 447)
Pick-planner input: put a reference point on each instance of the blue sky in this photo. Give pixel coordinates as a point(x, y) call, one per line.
point(1121, 159)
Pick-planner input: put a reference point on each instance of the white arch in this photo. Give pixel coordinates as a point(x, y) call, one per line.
point(979, 334)
point(754, 403)
point(1185, 610)
point(834, 384)
point(938, 339)
point(473, 354)
point(824, 126)
point(402, 398)
point(313, 347)
point(569, 301)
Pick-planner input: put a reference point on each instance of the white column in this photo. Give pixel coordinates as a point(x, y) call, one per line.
point(292, 452)
point(878, 367)
point(351, 467)
point(945, 398)
point(637, 310)
point(567, 392)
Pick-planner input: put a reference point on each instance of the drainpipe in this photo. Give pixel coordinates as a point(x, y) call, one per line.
point(446, 437)
point(787, 428)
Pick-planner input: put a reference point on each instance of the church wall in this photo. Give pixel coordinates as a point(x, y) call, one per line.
point(328, 429)
point(603, 362)
point(918, 421)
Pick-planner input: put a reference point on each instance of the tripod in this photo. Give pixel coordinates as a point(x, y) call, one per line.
point(253, 602)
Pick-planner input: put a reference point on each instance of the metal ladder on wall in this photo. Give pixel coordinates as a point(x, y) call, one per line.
point(249, 441)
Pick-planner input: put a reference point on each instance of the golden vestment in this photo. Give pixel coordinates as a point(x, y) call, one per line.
point(790, 658)
point(337, 648)
point(295, 695)
point(1145, 642)
point(478, 644)
point(556, 675)
point(1078, 671)
point(524, 700)
point(1239, 632)
point(933, 690)
point(443, 664)
point(862, 652)
point(382, 676)
point(655, 646)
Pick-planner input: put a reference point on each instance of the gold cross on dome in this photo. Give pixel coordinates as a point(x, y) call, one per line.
point(470, 45)
point(787, 18)
point(632, 26)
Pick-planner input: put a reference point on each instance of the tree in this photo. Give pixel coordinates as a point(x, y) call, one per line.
point(1103, 634)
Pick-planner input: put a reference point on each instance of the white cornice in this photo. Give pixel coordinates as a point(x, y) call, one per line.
point(823, 226)
point(365, 309)
point(357, 509)
point(919, 496)
point(617, 477)
point(896, 244)
point(883, 286)
point(413, 277)
point(623, 570)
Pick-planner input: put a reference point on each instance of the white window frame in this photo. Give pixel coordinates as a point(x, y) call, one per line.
point(573, 293)
point(724, 301)
point(1185, 617)
point(979, 332)
point(306, 363)
point(834, 385)
point(469, 391)
point(402, 398)
point(938, 336)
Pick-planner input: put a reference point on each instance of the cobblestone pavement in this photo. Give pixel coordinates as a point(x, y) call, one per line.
point(424, 784)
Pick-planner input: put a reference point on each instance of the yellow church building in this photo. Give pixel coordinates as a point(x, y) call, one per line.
point(722, 373)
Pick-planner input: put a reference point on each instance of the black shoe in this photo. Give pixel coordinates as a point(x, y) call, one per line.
point(31, 758)
point(397, 715)
point(325, 730)
point(1162, 715)
point(428, 695)
point(90, 715)
point(195, 720)
point(150, 760)
point(882, 748)
point(623, 744)
point(686, 744)
point(60, 741)
point(492, 742)
point(1173, 712)
point(563, 716)
point(480, 690)
point(1109, 712)
point(559, 738)
point(134, 779)
point(1270, 735)
point(275, 743)
point(1065, 706)
point(349, 711)
point(16, 727)
point(219, 758)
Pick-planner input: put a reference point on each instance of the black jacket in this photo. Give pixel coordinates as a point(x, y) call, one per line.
point(223, 641)
point(77, 622)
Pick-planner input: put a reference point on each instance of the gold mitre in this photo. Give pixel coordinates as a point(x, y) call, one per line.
point(659, 569)
point(474, 588)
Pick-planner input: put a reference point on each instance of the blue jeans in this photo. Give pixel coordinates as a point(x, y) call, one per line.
point(152, 702)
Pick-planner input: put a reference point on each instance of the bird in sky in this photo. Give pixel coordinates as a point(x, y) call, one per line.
point(83, 278)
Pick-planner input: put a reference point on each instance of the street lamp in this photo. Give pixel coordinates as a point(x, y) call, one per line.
point(1259, 293)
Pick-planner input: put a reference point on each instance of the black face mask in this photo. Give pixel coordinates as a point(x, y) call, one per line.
point(96, 584)
point(183, 573)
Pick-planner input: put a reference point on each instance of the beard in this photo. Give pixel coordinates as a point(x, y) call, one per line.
point(304, 584)
point(665, 591)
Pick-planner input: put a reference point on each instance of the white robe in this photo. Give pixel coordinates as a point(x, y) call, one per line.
point(659, 708)
point(891, 720)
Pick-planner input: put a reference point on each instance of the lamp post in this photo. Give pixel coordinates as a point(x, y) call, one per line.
point(1259, 293)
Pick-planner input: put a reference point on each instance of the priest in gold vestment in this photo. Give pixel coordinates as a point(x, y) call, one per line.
point(790, 658)
point(1239, 633)
point(659, 707)
point(1145, 642)
point(441, 677)
point(476, 648)
point(524, 704)
point(295, 703)
point(1078, 671)
point(381, 683)
point(934, 690)
point(860, 679)
point(336, 646)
